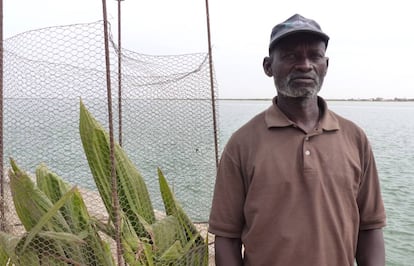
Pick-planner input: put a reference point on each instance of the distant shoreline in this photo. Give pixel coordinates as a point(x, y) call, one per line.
point(337, 100)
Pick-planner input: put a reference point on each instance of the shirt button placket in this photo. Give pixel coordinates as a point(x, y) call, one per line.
point(307, 153)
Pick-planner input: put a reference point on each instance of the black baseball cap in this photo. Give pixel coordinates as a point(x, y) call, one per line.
point(294, 25)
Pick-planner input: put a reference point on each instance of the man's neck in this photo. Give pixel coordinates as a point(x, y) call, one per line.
point(303, 111)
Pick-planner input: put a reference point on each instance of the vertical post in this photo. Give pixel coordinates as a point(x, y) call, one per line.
point(119, 76)
point(213, 97)
point(2, 201)
point(115, 200)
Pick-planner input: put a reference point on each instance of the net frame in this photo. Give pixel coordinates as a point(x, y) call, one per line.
point(169, 97)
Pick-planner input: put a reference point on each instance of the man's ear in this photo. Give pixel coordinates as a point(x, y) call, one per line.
point(267, 66)
point(327, 65)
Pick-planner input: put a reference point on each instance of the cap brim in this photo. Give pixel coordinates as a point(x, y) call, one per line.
point(277, 39)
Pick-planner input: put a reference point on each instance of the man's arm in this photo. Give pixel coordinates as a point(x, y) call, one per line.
point(228, 251)
point(370, 248)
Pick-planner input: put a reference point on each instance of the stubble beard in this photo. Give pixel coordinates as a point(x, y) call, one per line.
point(299, 91)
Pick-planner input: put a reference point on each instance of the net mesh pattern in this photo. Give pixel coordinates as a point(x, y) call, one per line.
point(167, 123)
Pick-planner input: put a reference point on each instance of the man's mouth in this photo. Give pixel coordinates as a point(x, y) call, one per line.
point(303, 80)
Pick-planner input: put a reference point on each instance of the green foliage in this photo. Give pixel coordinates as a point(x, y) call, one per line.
point(60, 230)
point(174, 240)
point(53, 214)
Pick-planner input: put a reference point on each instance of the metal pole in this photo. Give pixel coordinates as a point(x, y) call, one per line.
point(119, 76)
point(2, 201)
point(115, 200)
point(213, 97)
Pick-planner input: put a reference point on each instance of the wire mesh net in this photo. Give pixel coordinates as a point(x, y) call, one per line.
point(59, 195)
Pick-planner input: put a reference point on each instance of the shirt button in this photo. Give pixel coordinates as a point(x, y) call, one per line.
point(307, 152)
point(306, 138)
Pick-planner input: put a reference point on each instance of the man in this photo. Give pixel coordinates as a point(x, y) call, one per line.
point(297, 185)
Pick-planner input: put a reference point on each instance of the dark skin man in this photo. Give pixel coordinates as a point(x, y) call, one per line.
point(298, 66)
point(315, 200)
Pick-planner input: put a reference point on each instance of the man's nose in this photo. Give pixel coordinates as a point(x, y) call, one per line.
point(304, 64)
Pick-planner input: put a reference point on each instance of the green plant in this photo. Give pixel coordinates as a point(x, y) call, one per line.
point(60, 230)
point(58, 227)
point(174, 240)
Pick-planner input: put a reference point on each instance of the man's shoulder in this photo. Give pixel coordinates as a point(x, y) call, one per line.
point(246, 133)
point(257, 122)
point(346, 125)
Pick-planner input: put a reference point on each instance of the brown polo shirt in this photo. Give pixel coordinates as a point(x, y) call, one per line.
point(297, 198)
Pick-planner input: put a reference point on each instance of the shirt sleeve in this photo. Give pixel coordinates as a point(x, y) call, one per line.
point(226, 216)
point(370, 203)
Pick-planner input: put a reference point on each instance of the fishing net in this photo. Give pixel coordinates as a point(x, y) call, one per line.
point(62, 180)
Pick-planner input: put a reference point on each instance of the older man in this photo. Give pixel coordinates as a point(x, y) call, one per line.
point(298, 185)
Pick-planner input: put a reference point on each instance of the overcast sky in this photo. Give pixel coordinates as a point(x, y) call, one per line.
point(371, 49)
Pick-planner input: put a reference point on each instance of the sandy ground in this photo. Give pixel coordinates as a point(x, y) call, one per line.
point(95, 207)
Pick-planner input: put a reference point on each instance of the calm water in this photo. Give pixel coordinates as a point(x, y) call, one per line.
point(32, 137)
point(390, 128)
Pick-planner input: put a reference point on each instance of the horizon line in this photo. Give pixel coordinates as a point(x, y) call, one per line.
point(377, 99)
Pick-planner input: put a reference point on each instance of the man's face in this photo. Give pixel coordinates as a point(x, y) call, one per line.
point(298, 66)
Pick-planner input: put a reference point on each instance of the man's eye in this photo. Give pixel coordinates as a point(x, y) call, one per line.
point(316, 57)
point(290, 56)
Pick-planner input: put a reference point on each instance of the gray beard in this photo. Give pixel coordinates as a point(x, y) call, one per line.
point(283, 88)
point(298, 92)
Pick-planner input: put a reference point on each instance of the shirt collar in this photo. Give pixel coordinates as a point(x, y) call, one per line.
point(274, 117)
